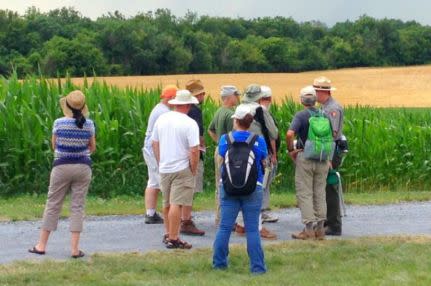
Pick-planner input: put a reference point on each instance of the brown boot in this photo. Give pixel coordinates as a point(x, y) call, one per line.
point(320, 233)
point(188, 227)
point(304, 235)
point(267, 234)
point(240, 230)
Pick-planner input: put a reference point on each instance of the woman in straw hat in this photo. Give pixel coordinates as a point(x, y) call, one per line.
point(73, 140)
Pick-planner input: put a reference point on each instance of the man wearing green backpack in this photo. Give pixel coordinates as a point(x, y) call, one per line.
point(335, 113)
point(311, 154)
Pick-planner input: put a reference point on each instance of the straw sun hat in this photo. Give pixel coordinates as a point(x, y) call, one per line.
point(75, 100)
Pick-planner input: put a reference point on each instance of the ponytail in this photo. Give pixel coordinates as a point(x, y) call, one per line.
point(77, 114)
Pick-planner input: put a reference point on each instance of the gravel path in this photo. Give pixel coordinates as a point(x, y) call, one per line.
point(130, 233)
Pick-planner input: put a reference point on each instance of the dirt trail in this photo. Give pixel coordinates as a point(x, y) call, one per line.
point(130, 233)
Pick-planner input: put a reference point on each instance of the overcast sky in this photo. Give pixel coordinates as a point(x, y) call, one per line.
point(329, 12)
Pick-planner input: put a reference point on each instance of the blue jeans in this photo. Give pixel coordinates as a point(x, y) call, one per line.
point(230, 206)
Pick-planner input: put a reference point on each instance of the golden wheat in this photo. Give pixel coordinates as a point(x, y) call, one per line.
point(380, 87)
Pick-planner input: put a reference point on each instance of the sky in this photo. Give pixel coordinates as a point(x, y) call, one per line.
point(328, 12)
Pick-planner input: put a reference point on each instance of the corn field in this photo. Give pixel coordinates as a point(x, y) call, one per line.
point(389, 148)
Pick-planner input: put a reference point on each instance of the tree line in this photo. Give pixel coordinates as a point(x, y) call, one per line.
point(62, 41)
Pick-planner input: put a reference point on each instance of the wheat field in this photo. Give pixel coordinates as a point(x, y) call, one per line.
point(379, 87)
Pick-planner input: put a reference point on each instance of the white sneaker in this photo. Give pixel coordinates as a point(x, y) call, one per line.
point(268, 217)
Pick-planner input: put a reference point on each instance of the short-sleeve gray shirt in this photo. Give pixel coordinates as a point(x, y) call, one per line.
point(335, 113)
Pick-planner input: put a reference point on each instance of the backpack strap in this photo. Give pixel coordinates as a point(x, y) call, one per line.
point(230, 139)
point(251, 139)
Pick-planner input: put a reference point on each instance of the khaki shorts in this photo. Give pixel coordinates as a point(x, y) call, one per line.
point(177, 188)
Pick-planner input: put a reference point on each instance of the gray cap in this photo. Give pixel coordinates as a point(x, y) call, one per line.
point(252, 93)
point(227, 90)
point(308, 95)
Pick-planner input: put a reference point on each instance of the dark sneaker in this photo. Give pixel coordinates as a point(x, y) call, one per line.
point(330, 231)
point(154, 219)
point(188, 227)
point(178, 243)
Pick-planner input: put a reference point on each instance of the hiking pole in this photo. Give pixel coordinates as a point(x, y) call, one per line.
point(341, 196)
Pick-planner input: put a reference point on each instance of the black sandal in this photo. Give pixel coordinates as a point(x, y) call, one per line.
point(36, 251)
point(177, 243)
point(79, 255)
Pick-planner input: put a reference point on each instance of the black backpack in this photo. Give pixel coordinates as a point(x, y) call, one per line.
point(239, 175)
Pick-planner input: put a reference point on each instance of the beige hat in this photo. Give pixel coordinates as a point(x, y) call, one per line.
point(308, 95)
point(241, 111)
point(183, 96)
point(195, 87)
point(74, 100)
point(266, 91)
point(322, 83)
point(227, 90)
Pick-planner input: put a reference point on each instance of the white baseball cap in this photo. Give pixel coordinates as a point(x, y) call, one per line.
point(241, 111)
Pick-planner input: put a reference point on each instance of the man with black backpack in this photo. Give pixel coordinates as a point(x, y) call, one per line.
point(311, 156)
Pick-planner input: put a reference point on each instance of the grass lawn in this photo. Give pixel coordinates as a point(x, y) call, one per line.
point(31, 207)
point(365, 261)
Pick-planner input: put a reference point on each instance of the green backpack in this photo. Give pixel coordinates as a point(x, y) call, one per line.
point(320, 144)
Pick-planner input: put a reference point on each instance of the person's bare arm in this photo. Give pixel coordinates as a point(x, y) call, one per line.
point(156, 150)
point(290, 135)
point(92, 144)
point(53, 139)
point(274, 152)
point(194, 159)
point(213, 135)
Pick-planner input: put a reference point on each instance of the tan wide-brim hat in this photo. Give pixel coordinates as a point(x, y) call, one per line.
point(76, 100)
point(323, 83)
point(195, 87)
point(182, 97)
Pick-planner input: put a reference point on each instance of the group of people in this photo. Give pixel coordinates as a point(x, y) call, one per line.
point(245, 160)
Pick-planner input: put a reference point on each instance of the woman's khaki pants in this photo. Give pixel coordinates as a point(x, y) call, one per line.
point(73, 177)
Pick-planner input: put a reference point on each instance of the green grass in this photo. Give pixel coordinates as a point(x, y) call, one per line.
point(28, 207)
point(365, 261)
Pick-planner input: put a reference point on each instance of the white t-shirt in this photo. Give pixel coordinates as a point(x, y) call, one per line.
point(176, 134)
point(158, 110)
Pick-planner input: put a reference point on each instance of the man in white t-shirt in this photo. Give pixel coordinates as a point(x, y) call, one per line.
point(175, 141)
point(153, 184)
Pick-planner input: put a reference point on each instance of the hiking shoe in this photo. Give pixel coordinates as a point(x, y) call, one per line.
point(320, 234)
point(304, 235)
point(268, 217)
point(330, 231)
point(188, 227)
point(240, 230)
point(153, 219)
point(267, 234)
point(177, 243)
